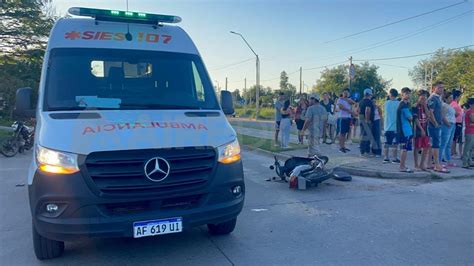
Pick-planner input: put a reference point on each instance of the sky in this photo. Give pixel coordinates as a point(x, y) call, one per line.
point(288, 34)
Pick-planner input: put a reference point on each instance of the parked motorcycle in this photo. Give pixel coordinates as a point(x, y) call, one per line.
point(22, 139)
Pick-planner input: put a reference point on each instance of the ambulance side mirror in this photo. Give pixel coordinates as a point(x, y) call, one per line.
point(227, 103)
point(23, 103)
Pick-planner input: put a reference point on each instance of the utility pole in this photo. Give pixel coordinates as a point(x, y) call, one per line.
point(245, 100)
point(350, 74)
point(257, 93)
point(257, 96)
point(301, 80)
point(226, 83)
point(426, 77)
point(431, 77)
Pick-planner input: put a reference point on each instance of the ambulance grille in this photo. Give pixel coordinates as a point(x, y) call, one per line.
point(122, 172)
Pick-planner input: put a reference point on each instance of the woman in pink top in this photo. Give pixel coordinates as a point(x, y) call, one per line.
point(458, 127)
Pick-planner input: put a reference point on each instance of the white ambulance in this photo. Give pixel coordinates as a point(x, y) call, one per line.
point(130, 138)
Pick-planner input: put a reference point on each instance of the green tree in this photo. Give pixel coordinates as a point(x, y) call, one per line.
point(265, 94)
point(332, 80)
point(287, 88)
point(454, 68)
point(23, 36)
point(366, 76)
point(236, 95)
point(335, 80)
point(283, 80)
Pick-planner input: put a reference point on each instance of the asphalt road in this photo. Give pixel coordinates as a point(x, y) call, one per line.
point(364, 222)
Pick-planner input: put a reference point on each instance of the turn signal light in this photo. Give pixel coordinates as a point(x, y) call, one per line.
point(57, 169)
point(231, 159)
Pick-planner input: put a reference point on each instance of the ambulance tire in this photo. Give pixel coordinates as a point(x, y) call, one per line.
point(224, 228)
point(46, 248)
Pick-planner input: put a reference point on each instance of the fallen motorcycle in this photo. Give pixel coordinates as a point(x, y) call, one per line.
point(302, 172)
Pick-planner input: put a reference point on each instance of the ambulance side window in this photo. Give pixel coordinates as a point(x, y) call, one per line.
point(198, 84)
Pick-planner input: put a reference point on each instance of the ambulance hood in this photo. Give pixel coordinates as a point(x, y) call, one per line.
point(87, 132)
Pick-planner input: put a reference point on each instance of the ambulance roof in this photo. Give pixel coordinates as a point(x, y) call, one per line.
point(90, 33)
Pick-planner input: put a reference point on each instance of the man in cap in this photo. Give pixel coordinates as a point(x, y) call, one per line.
point(366, 117)
point(316, 116)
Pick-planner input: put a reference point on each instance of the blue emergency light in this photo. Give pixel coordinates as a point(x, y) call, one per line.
point(123, 16)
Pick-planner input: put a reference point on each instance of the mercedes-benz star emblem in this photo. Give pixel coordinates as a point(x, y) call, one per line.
point(157, 169)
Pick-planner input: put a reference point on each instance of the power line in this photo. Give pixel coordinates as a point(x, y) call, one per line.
point(400, 37)
point(232, 64)
point(393, 65)
point(396, 38)
point(406, 36)
point(237, 81)
point(409, 56)
point(288, 74)
point(395, 22)
point(319, 67)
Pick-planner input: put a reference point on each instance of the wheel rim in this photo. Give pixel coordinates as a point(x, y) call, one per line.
point(9, 147)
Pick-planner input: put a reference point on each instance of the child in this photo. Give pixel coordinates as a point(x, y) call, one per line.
point(422, 141)
point(405, 131)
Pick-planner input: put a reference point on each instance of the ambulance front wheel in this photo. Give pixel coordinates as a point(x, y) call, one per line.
point(46, 248)
point(222, 228)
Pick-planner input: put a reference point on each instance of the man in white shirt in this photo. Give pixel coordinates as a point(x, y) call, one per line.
point(344, 119)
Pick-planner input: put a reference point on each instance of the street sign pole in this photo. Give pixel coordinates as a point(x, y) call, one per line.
point(301, 80)
point(351, 74)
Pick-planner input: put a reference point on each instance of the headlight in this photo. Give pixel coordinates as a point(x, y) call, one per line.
point(56, 162)
point(229, 152)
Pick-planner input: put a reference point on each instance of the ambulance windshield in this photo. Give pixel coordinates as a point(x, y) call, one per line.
point(86, 78)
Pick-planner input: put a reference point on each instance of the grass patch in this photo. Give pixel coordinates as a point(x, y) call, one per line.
point(5, 122)
point(266, 113)
point(265, 128)
point(265, 144)
point(4, 134)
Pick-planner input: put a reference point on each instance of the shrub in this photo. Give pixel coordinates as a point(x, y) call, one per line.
point(249, 112)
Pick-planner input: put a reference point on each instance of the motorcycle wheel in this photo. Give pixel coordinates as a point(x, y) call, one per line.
point(280, 172)
point(9, 147)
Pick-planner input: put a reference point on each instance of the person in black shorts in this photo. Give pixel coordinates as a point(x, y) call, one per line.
point(344, 119)
point(457, 140)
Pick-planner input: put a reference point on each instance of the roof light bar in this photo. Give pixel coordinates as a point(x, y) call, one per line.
point(123, 16)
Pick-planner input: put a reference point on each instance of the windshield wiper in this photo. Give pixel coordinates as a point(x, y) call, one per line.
point(78, 108)
point(157, 106)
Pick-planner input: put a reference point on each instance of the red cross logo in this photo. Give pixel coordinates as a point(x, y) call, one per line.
point(72, 35)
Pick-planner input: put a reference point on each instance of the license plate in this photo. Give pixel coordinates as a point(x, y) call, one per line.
point(157, 227)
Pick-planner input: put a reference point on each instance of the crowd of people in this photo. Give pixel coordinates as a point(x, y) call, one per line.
point(432, 124)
